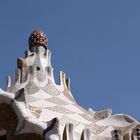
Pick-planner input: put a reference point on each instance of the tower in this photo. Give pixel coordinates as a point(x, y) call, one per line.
point(35, 107)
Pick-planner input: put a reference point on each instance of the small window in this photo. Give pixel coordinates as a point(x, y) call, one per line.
point(37, 68)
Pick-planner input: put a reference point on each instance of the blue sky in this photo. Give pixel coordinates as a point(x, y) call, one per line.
point(95, 42)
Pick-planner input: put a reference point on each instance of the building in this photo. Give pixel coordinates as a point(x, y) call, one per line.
point(34, 107)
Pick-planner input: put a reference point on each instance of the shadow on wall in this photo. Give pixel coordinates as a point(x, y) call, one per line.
point(8, 125)
point(3, 134)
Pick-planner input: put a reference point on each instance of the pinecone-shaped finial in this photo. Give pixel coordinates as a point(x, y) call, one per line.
point(38, 38)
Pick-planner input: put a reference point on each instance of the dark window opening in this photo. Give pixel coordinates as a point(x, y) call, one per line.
point(37, 68)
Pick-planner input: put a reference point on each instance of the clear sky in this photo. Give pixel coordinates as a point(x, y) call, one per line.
point(95, 42)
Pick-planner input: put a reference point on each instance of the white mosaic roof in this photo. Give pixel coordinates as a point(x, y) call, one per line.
point(50, 109)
